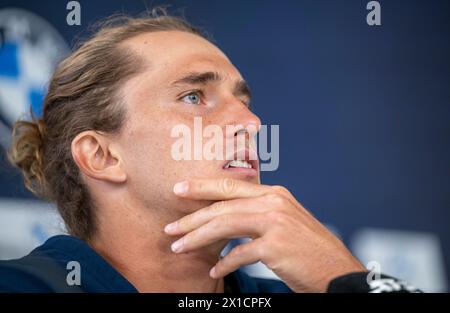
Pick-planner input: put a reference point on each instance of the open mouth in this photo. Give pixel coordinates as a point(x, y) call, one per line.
point(244, 161)
point(238, 163)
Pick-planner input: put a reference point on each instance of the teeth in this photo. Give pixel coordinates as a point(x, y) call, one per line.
point(238, 163)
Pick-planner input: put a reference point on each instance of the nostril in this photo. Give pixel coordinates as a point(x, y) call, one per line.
point(242, 130)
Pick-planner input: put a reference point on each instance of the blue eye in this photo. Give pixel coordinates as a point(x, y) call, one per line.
point(192, 98)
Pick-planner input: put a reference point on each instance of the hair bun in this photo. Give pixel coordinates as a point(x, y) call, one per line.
point(27, 152)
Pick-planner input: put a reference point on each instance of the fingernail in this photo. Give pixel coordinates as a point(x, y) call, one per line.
point(177, 245)
point(212, 272)
point(180, 188)
point(170, 228)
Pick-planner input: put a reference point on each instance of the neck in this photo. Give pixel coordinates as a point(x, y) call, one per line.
point(137, 247)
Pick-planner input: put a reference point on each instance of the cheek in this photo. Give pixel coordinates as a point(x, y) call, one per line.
point(151, 170)
point(148, 154)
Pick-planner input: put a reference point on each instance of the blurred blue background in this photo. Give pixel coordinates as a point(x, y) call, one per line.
point(364, 115)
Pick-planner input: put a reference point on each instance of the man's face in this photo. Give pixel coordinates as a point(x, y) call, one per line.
point(185, 76)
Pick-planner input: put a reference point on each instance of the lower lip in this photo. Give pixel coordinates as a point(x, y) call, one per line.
point(242, 170)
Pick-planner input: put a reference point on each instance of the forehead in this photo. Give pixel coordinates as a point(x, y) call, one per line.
point(171, 53)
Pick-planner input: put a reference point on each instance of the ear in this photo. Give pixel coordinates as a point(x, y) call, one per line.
point(96, 157)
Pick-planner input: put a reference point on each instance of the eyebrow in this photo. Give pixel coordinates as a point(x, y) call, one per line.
point(241, 87)
point(198, 78)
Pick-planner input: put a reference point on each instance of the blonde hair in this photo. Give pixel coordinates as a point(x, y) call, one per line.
point(82, 95)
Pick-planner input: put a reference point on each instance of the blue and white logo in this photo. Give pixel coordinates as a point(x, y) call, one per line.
point(30, 48)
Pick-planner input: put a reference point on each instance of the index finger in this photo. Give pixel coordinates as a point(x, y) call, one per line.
point(219, 189)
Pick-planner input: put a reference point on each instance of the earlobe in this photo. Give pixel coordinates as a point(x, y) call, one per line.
point(96, 158)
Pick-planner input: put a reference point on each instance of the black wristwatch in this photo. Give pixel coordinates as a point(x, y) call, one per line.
point(362, 282)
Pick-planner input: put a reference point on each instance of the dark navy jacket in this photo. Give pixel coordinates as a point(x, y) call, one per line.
point(46, 269)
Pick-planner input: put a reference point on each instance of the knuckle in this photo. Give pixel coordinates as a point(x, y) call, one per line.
point(277, 237)
point(237, 251)
point(281, 189)
point(261, 219)
point(217, 207)
point(275, 198)
point(261, 249)
point(228, 185)
point(271, 264)
point(222, 221)
point(269, 253)
point(277, 217)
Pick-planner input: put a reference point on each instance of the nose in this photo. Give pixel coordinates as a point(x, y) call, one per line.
point(240, 116)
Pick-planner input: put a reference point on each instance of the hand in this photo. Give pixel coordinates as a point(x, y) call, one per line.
point(286, 237)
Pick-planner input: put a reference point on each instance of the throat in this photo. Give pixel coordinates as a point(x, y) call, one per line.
point(155, 268)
